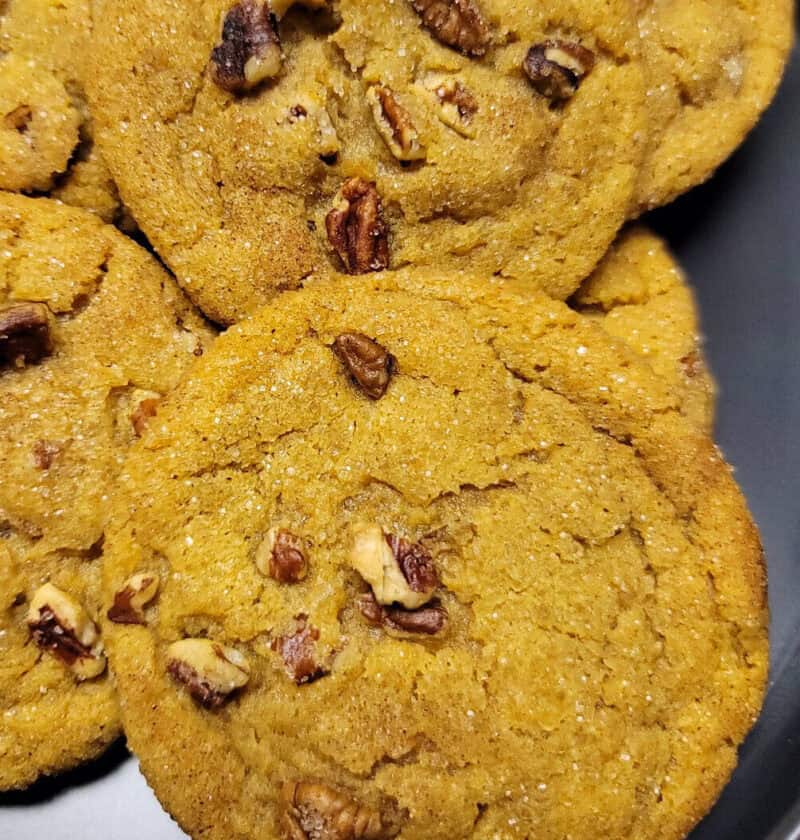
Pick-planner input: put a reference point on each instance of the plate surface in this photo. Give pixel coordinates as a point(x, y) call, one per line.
point(738, 237)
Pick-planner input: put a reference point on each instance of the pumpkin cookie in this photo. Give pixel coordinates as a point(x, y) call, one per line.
point(432, 568)
point(92, 333)
point(257, 145)
point(713, 66)
point(46, 140)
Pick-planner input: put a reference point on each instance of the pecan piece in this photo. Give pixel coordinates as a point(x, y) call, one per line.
point(356, 228)
point(210, 671)
point(457, 106)
point(25, 333)
point(280, 555)
point(298, 652)
point(129, 602)
point(556, 68)
point(456, 23)
point(315, 811)
point(60, 625)
point(369, 364)
point(249, 51)
point(398, 571)
point(429, 619)
point(394, 124)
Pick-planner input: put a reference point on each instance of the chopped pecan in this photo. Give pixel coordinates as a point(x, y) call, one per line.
point(59, 624)
point(25, 333)
point(429, 619)
point(210, 671)
point(250, 50)
point(142, 414)
point(356, 228)
point(556, 68)
point(456, 23)
point(129, 602)
point(315, 811)
point(44, 453)
point(368, 363)
point(398, 571)
point(298, 652)
point(457, 106)
point(394, 124)
point(280, 555)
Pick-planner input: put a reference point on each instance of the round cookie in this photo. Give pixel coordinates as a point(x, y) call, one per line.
point(46, 140)
point(432, 568)
point(713, 66)
point(638, 293)
point(383, 134)
point(92, 332)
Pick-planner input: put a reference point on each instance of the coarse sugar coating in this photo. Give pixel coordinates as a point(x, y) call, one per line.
point(712, 68)
point(91, 328)
point(234, 136)
point(442, 567)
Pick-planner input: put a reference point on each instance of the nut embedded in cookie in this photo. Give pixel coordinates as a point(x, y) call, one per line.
point(456, 104)
point(25, 333)
point(129, 602)
point(456, 23)
point(394, 124)
point(368, 363)
point(60, 625)
point(298, 651)
point(281, 556)
point(210, 671)
point(356, 228)
point(556, 68)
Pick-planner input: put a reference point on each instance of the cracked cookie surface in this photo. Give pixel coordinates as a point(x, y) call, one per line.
point(232, 176)
point(526, 575)
point(712, 66)
point(46, 142)
point(89, 326)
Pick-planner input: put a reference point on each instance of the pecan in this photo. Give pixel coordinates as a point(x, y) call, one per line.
point(144, 411)
point(44, 453)
point(556, 68)
point(298, 652)
point(281, 556)
point(456, 23)
point(429, 619)
point(356, 228)
point(315, 811)
point(129, 602)
point(210, 671)
point(394, 124)
point(250, 50)
point(60, 625)
point(368, 363)
point(398, 571)
point(25, 333)
point(457, 106)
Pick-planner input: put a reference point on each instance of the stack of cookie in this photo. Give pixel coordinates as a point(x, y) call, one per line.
point(433, 541)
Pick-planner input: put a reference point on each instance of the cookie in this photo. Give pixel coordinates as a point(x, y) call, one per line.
point(713, 66)
point(490, 134)
point(92, 333)
point(46, 140)
point(432, 568)
point(639, 294)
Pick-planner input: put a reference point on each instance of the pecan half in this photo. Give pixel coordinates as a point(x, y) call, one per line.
point(44, 453)
point(556, 68)
point(369, 364)
point(210, 671)
point(315, 811)
point(394, 124)
point(25, 333)
point(60, 625)
point(456, 23)
point(398, 571)
point(280, 555)
point(429, 619)
point(457, 106)
point(356, 228)
point(250, 50)
point(129, 602)
point(298, 652)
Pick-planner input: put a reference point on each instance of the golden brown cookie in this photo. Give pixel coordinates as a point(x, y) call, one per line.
point(713, 66)
point(432, 568)
point(497, 136)
point(92, 333)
